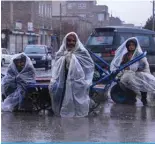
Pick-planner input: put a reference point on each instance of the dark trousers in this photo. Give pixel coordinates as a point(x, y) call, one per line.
point(144, 98)
point(144, 95)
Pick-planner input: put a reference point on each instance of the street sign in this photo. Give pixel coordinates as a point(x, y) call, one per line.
point(3, 36)
point(18, 25)
point(30, 26)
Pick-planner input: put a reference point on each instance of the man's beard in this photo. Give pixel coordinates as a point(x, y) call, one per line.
point(69, 48)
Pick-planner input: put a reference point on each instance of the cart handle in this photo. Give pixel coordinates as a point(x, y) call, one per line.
point(132, 62)
point(100, 59)
point(111, 77)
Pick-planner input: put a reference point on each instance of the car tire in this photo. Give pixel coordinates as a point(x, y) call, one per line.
point(2, 62)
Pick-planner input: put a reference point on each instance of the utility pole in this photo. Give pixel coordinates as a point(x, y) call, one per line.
point(153, 15)
point(60, 24)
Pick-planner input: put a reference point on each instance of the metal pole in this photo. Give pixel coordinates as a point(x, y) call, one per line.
point(153, 16)
point(60, 24)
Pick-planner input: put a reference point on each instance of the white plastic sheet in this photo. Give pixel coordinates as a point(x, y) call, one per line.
point(14, 83)
point(138, 81)
point(70, 96)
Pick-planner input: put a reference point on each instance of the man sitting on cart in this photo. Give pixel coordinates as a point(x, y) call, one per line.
point(19, 73)
point(71, 78)
point(136, 77)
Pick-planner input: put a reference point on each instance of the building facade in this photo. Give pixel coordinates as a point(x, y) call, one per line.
point(97, 14)
point(25, 22)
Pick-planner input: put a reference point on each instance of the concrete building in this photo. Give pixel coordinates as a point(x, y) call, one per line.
point(97, 14)
point(100, 16)
point(25, 22)
point(115, 21)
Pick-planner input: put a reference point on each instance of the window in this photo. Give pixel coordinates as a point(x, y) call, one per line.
point(124, 36)
point(4, 51)
point(143, 40)
point(100, 17)
point(49, 11)
point(69, 6)
point(47, 14)
point(82, 6)
point(46, 10)
point(122, 39)
point(32, 49)
point(40, 9)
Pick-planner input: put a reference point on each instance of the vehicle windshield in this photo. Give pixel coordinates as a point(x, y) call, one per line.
point(35, 49)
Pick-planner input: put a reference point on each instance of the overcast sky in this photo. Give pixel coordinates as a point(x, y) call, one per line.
point(130, 11)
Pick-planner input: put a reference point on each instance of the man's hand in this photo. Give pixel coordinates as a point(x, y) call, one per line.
point(128, 68)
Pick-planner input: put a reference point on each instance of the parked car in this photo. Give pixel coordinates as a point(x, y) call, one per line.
point(5, 57)
point(39, 55)
point(105, 41)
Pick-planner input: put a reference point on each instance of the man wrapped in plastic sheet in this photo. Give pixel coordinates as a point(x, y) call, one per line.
point(19, 73)
point(137, 77)
point(72, 76)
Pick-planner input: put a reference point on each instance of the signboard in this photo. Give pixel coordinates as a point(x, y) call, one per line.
point(30, 26)
point(3, 36)
point(99, 39)
point(18, 25)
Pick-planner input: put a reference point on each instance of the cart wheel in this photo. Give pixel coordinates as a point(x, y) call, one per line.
point(118, 95)
point(99, 96)
point(31, 101)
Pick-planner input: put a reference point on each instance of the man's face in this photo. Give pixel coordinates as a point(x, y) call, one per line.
point(20, 65)
point(71, 42)
point(132, 46)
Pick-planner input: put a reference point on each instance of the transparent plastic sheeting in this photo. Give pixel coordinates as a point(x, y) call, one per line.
point(138, 81)
point(70, 95)
point(14, 83)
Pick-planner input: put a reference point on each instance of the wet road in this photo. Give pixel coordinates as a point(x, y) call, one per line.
point(114, 123)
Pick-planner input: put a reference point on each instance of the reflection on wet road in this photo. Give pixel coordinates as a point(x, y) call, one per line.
point(114, 123)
